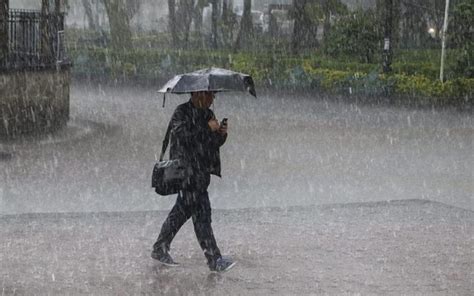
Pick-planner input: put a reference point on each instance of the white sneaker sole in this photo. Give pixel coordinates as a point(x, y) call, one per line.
point(227, 269)
point(169, 264)
point(166, 264)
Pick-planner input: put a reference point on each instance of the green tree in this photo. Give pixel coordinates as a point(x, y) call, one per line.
point(227, 25)
point(414, 18)
point(197, 16)
point(180, 16)
point(436, 13)
point(307, 15)
point(172, 22)
point(246, 32)
point(119, 13)
point(184, 17)
point(215, 19)
point(330, 8)
point(89, 14)
point(357, 35)
point(462, 36)
point(396, 14)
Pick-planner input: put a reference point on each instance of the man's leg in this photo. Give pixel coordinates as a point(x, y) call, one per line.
point(176, 218)
point(203, 229)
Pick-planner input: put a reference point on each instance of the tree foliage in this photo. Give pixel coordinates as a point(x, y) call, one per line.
point(308, 15)
point(332, 8)
point(357, 35)
point(246, 26)
point(462, 36)
point(89, 14)
point(184, 17)
point(119, 13)
point(180, 16)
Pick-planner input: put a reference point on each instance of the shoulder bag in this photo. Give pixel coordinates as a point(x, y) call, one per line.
point(168, 175)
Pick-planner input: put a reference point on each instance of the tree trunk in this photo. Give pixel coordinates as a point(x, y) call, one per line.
point(396, 11)
point(246, 26)
point(172, 22)
point(299, 25)
point(197, 16)
point(131, 8)
point(437, 14)
point(57, 6)
point(327, 18)
point(120, 34)
point(225, 12)
point(198, 19)
point(215, 17)
point(227, 24)
point(396, 23)
point(186, 18)
point(89, 14)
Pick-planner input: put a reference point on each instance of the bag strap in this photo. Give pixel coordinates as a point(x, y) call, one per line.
point(165, 142)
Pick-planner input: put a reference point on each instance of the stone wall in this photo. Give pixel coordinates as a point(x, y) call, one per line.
point(33, 101)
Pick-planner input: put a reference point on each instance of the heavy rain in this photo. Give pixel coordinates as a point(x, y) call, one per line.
point(350, 172)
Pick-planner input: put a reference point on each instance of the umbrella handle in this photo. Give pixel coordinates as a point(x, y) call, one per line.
point(164, 99)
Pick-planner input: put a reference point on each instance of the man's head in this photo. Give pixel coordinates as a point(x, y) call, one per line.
point(202, 99)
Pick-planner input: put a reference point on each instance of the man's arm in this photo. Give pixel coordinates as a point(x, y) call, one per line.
point(183, 129)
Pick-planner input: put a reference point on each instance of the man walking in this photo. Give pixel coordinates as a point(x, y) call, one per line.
point(196, 136)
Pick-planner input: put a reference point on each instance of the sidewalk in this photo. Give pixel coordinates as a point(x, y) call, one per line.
point(385, 248)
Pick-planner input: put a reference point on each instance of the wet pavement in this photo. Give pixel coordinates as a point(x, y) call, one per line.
point(409, 247)
point(302, 205)
point(284, 149)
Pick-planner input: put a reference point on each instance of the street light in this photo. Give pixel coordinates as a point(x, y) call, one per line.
point(443, 42)
point(432, 32)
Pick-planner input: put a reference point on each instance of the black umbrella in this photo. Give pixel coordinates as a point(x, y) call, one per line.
point(210, 79)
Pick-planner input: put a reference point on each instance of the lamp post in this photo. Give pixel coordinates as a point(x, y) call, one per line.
point(443, 42)
point(387, 41)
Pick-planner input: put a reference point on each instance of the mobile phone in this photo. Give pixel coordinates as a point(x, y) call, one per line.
point(224, 121)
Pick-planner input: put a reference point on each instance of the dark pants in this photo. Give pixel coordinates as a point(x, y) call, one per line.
point(189, 204)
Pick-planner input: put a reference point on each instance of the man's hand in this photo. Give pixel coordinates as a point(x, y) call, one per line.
point(223, 129)
point(213, 125)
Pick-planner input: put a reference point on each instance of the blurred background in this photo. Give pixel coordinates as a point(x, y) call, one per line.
point(351, 46)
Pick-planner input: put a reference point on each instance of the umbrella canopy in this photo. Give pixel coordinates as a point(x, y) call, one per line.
point(210, 79)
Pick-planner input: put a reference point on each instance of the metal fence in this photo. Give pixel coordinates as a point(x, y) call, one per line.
point(34, 39)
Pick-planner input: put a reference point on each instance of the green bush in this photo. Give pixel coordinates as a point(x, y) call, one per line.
point(315, 72)
point(452, 91)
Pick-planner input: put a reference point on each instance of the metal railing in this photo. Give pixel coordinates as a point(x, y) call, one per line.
point(34, 39)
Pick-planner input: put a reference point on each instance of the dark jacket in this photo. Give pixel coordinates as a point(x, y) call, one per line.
point(193, 141)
